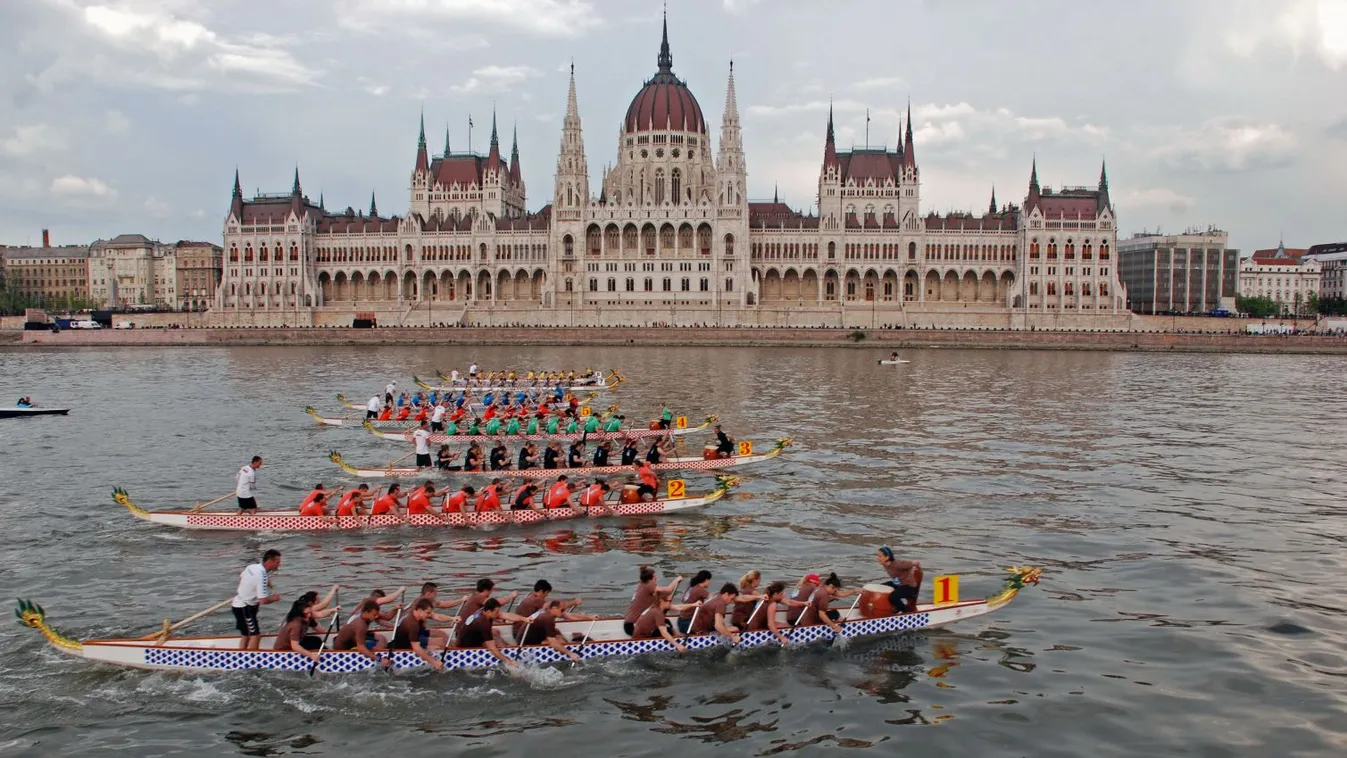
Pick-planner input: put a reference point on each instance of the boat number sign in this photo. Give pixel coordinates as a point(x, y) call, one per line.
point(745, 448)
point(584, 411)
point(947, 589)
point(677, 489)
point(681, 422)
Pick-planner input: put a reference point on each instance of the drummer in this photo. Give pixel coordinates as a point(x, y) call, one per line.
point(724, 443)
point(649, 489)
point(904, 577)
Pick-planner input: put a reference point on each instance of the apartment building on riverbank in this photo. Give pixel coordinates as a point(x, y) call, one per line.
point(1193, 272)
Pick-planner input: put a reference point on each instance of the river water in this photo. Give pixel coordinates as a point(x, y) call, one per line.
point(1186, 509)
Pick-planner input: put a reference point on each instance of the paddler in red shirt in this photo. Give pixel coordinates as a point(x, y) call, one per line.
point(489, 500)
point(314, 505)
point(389, 502)
point(592, 498)
point(418, 500)
point(350, 503)
point(559, 494)
point(458, 502)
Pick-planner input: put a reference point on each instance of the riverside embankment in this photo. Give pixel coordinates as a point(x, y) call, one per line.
point(875, 339)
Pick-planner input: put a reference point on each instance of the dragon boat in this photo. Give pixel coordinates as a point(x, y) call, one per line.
point(345, 402)
point(609, 383)
point(291, 521)
point(669, 464)
point(438, 438)
point(602, 638)
point(407, 423)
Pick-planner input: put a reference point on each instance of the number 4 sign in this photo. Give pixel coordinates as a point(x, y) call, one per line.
point(947, 589)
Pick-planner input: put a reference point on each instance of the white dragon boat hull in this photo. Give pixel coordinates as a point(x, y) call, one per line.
point(605, 640)
point(291, 521)
point(438, 438)
point(669, 464)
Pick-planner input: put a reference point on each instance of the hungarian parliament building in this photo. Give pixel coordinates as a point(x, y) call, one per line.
point(670, 237)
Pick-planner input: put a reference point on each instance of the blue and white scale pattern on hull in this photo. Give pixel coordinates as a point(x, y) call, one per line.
point(349, 662)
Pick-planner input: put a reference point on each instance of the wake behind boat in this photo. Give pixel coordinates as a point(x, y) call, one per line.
point(602, 638)
point(292, 521)
point(745, 457)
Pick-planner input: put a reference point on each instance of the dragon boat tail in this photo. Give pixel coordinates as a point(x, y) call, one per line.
point(603, 638)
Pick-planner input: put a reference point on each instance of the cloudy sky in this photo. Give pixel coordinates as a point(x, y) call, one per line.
point(131, 115)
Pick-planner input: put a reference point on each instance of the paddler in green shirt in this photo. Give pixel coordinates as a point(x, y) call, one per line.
point(592, 424)
point(614, 423)
point(551, 424)
point(532, 428)
point(451, 427)
point(493, 426)
point(476, 428)
point(572, 426)
point(512, 428)
point(665, 418)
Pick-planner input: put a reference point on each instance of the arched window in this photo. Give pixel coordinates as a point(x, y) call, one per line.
point(567, 246)
point(294, 252)
point(911, 251)
point(832, 250)
point(1034, 248)
point(262, 254)
point(729, 244)
point(593, 285)
point(233, 254)
point(659, 186)
point(677, 186)
point(612, 284)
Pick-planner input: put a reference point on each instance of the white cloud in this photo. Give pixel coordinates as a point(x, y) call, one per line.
point(80, 187)
point(739, 6)
point(494, 79)
point(880, 83)
point(116, 123)
point(165, 51)
point(544, 18)
point(1306, 27)
point(1156, 197)
point(1225, 146)
point(156, 208)
point(31, 140)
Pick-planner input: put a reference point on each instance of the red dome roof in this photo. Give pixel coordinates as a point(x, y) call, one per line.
point(665, 102)
point(665, 105)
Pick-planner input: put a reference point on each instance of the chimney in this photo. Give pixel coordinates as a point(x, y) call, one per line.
point(46, 238)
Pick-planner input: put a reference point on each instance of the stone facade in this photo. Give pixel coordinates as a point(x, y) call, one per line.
point(1285, 278)
point(133, 270)
point(670, 237)
point(49, 273)
point(197, 269)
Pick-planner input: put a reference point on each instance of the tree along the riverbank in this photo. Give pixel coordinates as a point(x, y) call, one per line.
point(13, 303)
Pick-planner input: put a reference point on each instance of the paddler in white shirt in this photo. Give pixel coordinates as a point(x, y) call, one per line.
point(245, 489)
point(437, 418)
point(373, 407)
point(254, 591)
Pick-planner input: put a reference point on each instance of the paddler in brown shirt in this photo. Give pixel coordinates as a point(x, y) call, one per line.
point(711, 616)
point(904, 577)
point(477, 632)
point(817, 611)
point(652, 623)
point(537, 600)
point(541, 628)
point(699, 591)
point(474, 601)
point(411, 631)
point(357, 636)
point(646, 591)
point(765, 615)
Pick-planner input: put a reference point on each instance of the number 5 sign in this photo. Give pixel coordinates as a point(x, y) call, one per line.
point(677, 490)
point(947, 589)
point(745, 448)
point(584, 411)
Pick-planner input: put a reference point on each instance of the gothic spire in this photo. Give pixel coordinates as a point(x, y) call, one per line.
point(992, 207)
point(909, 151)
point(446, 140)
point(236, 201)
point(238, 190)
point(1103, 187)
point(493, 158)
point(296, 190)
point(830, 144)
point(514, 157)
point(1033, 187)
point(665, 60)
point(373, 206)
point(422, 157)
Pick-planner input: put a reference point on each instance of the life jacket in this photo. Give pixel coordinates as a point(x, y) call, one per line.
point(593, 495)
point(557, 495)
point(489, 500)
point(418, 501)
point(422, 414)
point(385, 414)
point(456, 502)
point(346, 506)
point(457, 415)
point(490, 413)
point(308, 499)
point(384, 505)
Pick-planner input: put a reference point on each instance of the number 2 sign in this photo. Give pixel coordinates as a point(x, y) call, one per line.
point(677, 490)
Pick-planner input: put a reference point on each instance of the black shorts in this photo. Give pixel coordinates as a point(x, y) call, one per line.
point(245, 620)
point(437, 426)
point(311, 642)
point(371, 414)
point(645, 489)
point(423, 460)
point(247, 503)
point(900, 593)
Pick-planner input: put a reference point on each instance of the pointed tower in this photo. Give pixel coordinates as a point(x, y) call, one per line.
point(447, 150)
point(909, 153)
point(991, 208)
point(1103, 202)
point(572, 176)
point(297, 196)
point(830, 143)
point(730, 162)
point(830, 184)
point(373, 206)
point(493, 157)
point(514, 158)
point(296, 190)
point(421, 178)
point(236, 200)
point(1031, 202)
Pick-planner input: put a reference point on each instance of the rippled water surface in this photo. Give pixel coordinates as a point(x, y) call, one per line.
point(1187, 510)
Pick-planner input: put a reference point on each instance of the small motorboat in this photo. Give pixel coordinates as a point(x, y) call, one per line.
point(24, 411)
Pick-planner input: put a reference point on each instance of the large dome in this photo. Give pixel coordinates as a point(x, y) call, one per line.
point(665, 103)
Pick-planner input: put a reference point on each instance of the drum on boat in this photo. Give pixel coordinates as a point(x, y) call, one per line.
point(630, 494)
point(875, 601)
point(710, 453)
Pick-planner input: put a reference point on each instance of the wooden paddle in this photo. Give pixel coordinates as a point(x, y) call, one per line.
point(163, 634)
point(200, 505)
point(336, 620)
point(397, 621)
point(585, 639)
point(842, 624)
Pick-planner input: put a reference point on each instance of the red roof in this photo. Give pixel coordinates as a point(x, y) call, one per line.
point(1278, 252)
point(1068, 206)
point(779, 215)
point(966, 222)
point(864, 165)
point(665, 105)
